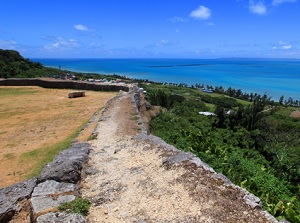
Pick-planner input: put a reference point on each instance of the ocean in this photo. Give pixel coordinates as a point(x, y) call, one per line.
point(271, 76)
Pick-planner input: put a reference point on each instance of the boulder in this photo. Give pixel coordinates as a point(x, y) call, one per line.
point(11, 196)
point(67, 165)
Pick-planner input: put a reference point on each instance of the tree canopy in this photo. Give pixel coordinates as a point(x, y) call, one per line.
point(12, 64)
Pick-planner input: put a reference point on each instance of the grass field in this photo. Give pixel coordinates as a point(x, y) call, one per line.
point(37, 123)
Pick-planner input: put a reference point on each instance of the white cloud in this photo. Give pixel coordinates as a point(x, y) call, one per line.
point(81, 27)
point(278, 2)
point(7, 44)
point(282, 46)
point(201, 13)
point(286, 47)
point(60, 43)
point(257, 8)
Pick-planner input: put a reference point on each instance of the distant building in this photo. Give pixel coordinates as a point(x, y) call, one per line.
point(208, 91)
point(70, 77)
point(207, 113)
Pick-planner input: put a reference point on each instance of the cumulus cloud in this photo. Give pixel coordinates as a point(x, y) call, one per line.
point(81, 27)
point(201, 13)
point(258, 8)
point(278, 2)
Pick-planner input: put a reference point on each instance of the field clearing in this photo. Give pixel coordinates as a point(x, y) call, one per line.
point(36, 123)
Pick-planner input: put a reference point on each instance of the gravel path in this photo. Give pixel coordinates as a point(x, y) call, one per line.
point(130, 180)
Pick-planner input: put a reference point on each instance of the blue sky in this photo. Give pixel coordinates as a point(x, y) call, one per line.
point(151, 28)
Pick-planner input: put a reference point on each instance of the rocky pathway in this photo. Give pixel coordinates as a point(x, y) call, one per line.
point(135, 177)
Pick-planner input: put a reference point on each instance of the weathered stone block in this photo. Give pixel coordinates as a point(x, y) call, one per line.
point(51, 187)
point(177, 159)
point(76, 94)
point(61, 218)
point(43, 204)
point(67, 166)
point(10, 196)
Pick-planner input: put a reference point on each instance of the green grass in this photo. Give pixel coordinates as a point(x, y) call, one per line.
point(212, 107)
point(244, 103)
point(40, 157)
point(214, 95)
point(286, 111)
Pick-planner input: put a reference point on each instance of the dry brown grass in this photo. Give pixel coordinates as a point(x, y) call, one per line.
point(35, 122)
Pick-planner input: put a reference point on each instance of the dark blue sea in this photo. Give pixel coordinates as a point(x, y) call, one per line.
point(271, 76)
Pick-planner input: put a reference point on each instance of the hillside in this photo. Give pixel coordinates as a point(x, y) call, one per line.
point(254, 143)
point(12, 65)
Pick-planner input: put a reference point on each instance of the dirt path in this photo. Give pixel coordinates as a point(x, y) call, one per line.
point(130, 181)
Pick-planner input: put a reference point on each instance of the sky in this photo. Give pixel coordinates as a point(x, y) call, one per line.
point(151, 28)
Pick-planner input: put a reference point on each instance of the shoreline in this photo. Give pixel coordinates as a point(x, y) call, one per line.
point(274, 77)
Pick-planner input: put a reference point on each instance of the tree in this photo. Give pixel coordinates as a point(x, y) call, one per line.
point(281, 99)
point(220, 112)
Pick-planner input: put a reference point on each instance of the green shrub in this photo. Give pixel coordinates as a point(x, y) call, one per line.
point(79, 205)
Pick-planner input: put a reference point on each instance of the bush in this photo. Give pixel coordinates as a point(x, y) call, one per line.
point(79, 206)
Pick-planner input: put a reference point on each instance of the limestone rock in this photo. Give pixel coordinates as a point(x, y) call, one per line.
point(42, 204)
point(177, 159)
point(10, 196)
point(60, 218)
point(48, 195)
point(67, 166)
point(51, 187)
point(253, 201)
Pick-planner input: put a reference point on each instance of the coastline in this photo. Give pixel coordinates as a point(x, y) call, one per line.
point(273, 77)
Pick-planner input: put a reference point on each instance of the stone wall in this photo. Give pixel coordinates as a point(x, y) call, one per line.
point(63, 84)
point(59, 179)
point(58, 183)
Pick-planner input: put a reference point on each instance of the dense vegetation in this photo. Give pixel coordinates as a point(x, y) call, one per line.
point(13, 65)
point(255, 144)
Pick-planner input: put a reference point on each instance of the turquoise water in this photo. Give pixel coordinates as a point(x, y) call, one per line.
point(273, 77)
